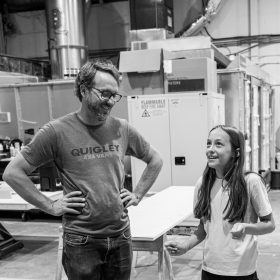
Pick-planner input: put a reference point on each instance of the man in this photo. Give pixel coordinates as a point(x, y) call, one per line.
point(88, 148)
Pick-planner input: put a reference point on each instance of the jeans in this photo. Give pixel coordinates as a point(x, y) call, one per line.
point(88, 258)
point(209, 276)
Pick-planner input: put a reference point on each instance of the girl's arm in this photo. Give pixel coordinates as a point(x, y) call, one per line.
point(265, 225)
point(260, 203)
point(180, 248)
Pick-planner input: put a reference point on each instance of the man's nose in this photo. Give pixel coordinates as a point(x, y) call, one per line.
point(111, 102)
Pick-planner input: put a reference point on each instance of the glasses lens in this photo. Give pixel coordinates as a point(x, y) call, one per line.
point(109, 95)
point(106, 94)
point(117, 97)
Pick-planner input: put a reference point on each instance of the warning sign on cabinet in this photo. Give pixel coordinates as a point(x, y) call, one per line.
point(153, 108)
point(145, 113)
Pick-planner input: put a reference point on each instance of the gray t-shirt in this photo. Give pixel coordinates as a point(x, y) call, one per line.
point(90, 159)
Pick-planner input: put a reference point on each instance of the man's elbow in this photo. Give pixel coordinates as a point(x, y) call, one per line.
point(7, 175)
point(10, 173)
point(157, 160)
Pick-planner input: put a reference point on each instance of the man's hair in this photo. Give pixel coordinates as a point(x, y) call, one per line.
point(86, 75)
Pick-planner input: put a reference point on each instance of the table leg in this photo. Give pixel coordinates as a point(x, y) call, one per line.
point(157, 245)
point(134, 262)
point(161, 264)
point(168, 264)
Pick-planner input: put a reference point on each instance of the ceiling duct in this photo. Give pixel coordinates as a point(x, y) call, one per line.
point(193, 26)
point(66, 36)
point(151, 14)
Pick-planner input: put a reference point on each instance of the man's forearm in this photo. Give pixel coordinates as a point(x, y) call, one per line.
point(23, 186)
point(148, 177)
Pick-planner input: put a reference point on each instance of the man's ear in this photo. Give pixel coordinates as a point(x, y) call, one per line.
point(83, 90)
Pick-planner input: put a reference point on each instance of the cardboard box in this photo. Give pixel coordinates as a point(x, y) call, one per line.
point(143, 71)
point(149, 34)
point(192, 74)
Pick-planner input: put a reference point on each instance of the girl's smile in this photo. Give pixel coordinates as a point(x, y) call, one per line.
point(219, 150)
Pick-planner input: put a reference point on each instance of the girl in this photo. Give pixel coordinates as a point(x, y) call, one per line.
point(228, 204)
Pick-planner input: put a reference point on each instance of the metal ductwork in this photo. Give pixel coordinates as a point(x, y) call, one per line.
point(66, 20)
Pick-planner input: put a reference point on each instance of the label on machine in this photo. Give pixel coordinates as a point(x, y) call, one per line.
point(183, 85)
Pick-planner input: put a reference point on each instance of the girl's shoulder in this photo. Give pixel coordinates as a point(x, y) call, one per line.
point(254, 182)
point(253, 178)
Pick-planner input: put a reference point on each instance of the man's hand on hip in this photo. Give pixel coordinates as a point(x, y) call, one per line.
point(71, 203)
point(128, 198)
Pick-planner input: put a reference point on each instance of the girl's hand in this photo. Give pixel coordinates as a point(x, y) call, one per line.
point(238, 230)
point(175, 248)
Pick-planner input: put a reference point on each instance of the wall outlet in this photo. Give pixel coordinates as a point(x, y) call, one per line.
point(5, 117)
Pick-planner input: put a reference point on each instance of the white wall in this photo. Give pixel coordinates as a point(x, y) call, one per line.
point(238, 18)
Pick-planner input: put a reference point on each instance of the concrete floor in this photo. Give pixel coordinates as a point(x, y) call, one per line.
point(38, 258)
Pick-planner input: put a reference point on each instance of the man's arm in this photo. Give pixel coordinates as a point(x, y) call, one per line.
point(16, 176)
point(154, 164)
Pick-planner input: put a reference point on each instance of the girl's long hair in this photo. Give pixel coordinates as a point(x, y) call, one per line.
point(238, 196)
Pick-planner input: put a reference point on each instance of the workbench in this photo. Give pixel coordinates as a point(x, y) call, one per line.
point(10, 200)
point(155, 216)
point(14, 202)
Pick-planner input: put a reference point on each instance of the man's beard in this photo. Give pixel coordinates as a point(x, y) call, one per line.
point(97, 109)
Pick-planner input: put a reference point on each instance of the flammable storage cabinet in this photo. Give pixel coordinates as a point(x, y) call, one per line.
point(177, 125)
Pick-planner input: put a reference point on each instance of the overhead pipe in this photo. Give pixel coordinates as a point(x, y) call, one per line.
point(66, 25)
point(211, 10)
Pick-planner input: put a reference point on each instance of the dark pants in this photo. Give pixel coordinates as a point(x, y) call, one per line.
point(88, 258)
point(209, 276)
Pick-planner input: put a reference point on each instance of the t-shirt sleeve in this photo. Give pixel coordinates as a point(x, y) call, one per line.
point(258, 195)
point(137, 145)
point(41, 149)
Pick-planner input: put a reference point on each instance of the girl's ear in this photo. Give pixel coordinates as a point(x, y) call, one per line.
point(237, 152)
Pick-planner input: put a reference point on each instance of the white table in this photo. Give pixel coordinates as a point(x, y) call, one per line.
point(17, 203)
point(155, 216)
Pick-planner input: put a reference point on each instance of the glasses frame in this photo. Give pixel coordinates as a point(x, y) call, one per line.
point(114, 95)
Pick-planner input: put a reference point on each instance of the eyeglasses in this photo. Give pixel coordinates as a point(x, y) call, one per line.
point(107, 95)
